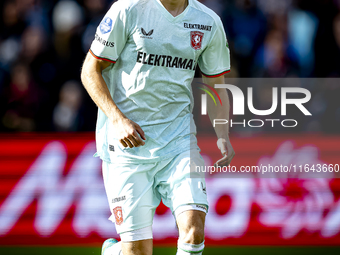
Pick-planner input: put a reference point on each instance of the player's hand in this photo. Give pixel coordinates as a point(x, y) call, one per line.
point(227, 151)
point(129, 133)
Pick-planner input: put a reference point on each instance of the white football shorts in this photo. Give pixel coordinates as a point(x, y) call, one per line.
point(135, 190)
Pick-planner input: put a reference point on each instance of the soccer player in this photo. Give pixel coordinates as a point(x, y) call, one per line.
point(139, 72)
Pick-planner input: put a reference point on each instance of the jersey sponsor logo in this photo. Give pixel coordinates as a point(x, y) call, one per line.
point(165, 61)
point(106, 25)
point(118, 213)
point(203, 188)
point(104, 42)
point(147, 35)
point(196, 39)
point(197, 26)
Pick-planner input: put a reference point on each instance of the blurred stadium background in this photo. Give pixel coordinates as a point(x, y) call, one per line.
point(51, 193)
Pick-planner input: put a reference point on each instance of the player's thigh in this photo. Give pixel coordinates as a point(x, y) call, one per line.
point(179, 186)
point(142, 247)
point(132, 200)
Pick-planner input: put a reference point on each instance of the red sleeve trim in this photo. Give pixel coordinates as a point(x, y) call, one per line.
point(215, 75)
point(105, 59)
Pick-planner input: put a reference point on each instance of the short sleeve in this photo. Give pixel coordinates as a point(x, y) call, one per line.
point(111, 34)
point(215, 59)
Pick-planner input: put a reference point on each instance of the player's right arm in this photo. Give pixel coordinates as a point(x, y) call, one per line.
point(127, 132)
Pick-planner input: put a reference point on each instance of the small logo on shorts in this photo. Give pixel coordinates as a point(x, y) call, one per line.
point(106, 25)
point(196, 39)
point(201, 207)
point(118, 213)
point(203, 188)
point(118, 199)
point(111, 148)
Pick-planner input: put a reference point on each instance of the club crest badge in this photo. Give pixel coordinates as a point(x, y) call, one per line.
point(118, 213)
point(106, 25)
point(196, 39)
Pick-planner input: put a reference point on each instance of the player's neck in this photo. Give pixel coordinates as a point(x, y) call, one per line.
point(175, 7)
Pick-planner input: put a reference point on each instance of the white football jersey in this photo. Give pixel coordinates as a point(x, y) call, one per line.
point(154, 58)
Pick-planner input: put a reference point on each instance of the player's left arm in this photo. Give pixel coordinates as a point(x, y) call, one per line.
point(220, 112)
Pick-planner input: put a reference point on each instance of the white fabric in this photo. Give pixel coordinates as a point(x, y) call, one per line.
point(186, 248)
point(155, 56)
point(115, 249)
point(135, 189)
point(190, 207)
point(137, 235)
